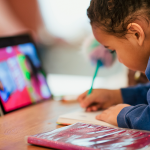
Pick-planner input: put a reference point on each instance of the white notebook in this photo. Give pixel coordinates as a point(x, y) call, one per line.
point(82, 116)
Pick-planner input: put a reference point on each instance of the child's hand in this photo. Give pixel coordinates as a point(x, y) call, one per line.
point(110, 114)
point(100, 99)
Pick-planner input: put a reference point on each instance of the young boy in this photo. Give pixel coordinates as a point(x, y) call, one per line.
point(124, 27)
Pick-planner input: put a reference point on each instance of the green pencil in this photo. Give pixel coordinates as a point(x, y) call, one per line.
point(99, 63)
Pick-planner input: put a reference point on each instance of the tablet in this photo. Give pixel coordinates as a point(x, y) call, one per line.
point(22, 79)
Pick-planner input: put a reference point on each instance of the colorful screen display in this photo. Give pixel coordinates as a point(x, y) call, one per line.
point(22, 81)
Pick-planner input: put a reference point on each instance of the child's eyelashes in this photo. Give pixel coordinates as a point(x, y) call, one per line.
point(112, 51)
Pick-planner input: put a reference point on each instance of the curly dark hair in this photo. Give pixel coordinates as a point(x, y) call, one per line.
point(115, 15)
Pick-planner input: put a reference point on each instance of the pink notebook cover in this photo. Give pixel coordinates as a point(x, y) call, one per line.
point(82, 136)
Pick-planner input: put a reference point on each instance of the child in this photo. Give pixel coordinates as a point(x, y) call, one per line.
point(124, 27)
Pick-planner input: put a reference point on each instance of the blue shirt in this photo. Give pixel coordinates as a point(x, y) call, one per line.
point(136, 116)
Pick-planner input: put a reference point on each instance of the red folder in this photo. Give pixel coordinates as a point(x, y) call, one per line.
point(82, 136)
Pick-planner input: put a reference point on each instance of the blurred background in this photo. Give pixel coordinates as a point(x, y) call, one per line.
point(59, 28)
point(68, 20)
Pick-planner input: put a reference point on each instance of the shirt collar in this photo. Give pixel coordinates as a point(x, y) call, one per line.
point(147, 71)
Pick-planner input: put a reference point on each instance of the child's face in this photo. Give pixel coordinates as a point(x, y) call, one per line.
point(128, 52)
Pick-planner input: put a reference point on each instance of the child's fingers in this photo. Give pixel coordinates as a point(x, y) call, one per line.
point(89, 109)
point(81, 97)
point(102, 116)
point(94, 107)
point(88, 101)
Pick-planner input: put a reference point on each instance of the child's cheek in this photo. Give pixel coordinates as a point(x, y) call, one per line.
point(119, 60)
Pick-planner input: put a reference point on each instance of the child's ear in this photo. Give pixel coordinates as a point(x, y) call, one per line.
point(137, 32)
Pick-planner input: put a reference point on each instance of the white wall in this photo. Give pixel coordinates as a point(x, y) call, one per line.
point(66, 18)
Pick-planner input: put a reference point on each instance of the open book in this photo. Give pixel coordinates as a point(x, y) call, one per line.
point(82, 116)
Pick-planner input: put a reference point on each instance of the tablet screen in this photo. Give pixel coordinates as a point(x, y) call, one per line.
point(22, 81)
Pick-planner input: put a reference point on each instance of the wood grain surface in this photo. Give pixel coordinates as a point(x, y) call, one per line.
point(31, 120)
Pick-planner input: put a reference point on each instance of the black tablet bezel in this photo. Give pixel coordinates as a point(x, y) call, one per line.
point(13, 41)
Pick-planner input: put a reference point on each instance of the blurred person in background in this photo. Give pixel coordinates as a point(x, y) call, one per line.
point(21, 16)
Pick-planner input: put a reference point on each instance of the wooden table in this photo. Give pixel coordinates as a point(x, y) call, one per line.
point(31, 120)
